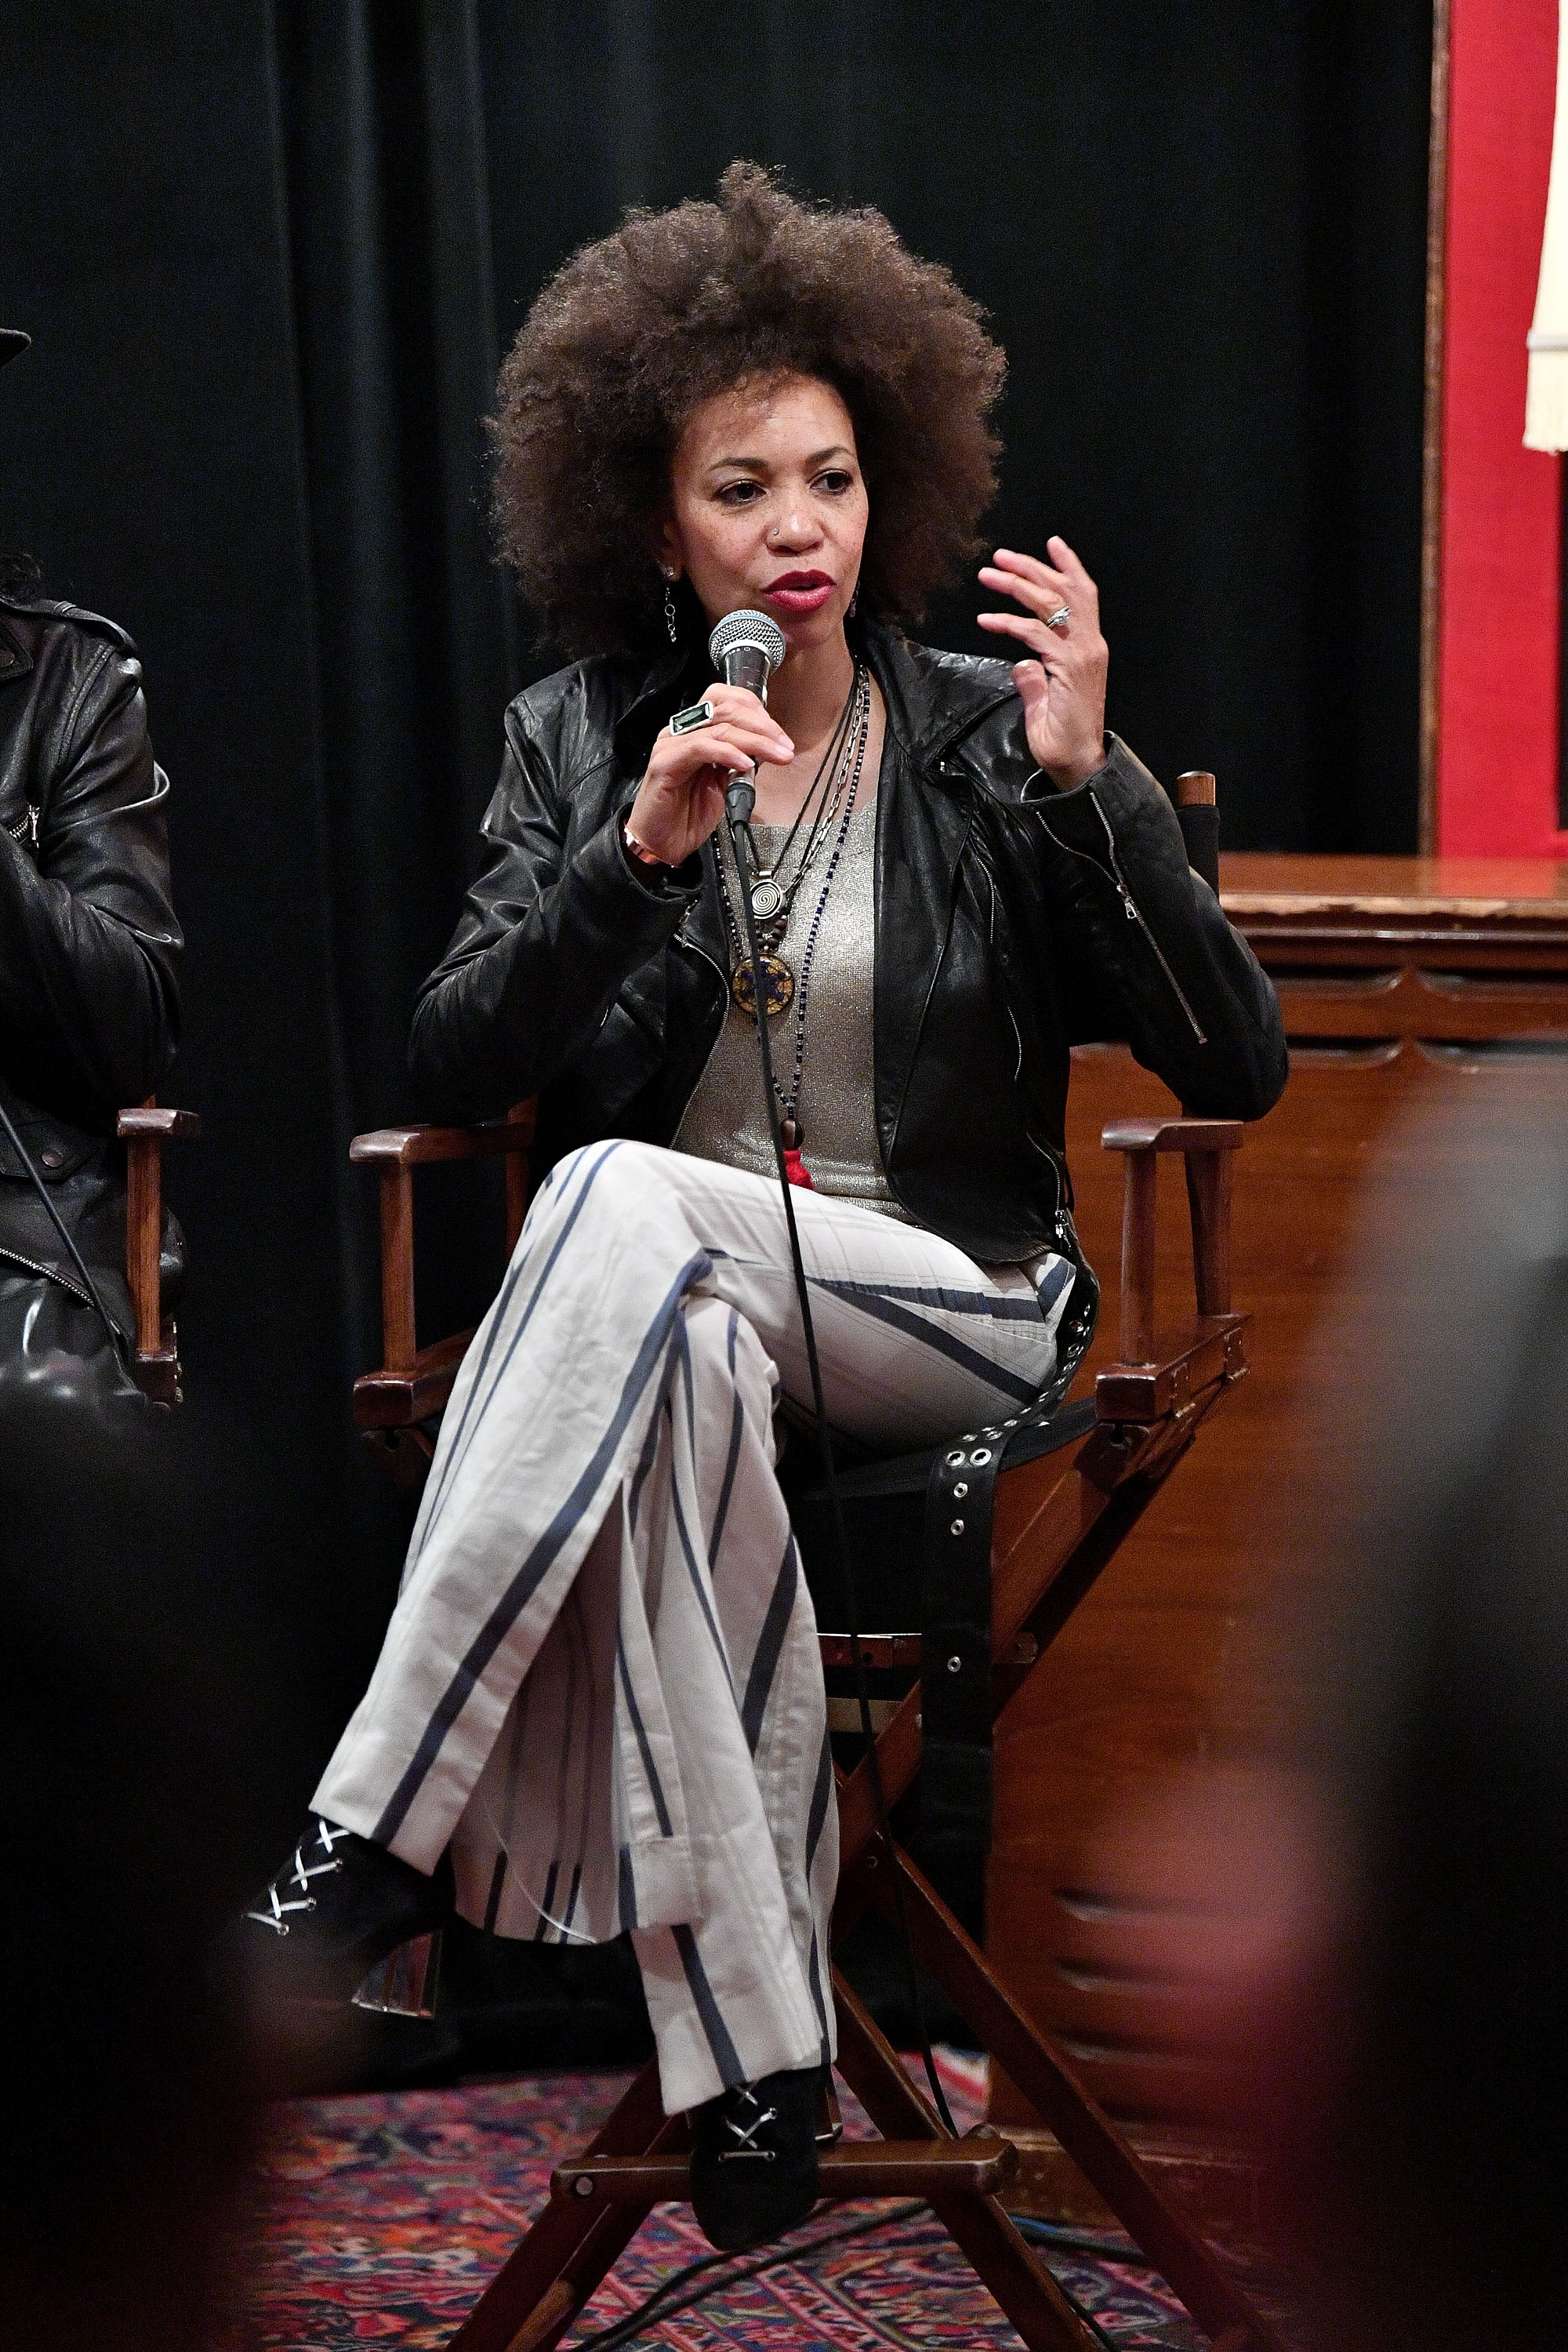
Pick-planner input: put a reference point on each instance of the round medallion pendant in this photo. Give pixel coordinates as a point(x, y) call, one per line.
point(767, 900)
point(778, 987)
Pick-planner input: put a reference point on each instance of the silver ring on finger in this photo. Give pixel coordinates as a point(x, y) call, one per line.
point(695, 715)
point(1059, 618)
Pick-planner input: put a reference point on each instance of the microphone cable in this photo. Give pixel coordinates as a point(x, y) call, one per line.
point(694, 2282)
point(740, 799)
point(116, 1338)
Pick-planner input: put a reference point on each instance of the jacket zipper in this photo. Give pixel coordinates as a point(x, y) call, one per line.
point(49, 1273)
point(1058, 1172)
point(684, 939)
point(1134, 914)
point(1007, 1005)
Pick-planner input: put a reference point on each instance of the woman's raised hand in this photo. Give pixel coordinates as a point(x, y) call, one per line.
point(681, 797)
point(1063, 689)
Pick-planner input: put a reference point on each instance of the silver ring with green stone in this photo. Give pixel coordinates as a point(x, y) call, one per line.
point(687, 721)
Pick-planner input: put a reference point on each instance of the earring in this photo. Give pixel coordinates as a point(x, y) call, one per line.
point(854, 600)
point(670, 622)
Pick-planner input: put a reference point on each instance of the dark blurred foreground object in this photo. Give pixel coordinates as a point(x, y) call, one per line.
point(1404, 984)
point(125, 2093)
point(1422, 2149)
point(89, 998)
point(1375, 1937)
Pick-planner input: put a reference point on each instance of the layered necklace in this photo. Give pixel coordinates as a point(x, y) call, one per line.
point(773, 898)
point(775, 887)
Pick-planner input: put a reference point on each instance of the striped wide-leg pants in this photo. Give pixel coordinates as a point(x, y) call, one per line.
point(601, 1684)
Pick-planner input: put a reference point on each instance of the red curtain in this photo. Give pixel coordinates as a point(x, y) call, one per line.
point(1502, 563)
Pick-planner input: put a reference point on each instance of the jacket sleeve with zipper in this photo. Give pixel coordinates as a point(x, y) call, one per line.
point(90, 948)
point(1145, 951)
point(554, 924)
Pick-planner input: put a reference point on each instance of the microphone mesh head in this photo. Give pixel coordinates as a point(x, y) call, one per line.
point(747, 628)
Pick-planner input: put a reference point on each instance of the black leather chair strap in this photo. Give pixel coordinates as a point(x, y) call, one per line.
point(956, 1772)
point(920, 1537)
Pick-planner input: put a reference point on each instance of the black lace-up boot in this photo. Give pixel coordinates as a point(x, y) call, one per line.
point(754, 2166)
point(339, 1904)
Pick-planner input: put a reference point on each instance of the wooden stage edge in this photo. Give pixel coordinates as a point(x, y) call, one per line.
point(1261, 879)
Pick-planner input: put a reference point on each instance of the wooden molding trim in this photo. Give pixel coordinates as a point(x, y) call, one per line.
point(1432, 426)
point(1219, 2188)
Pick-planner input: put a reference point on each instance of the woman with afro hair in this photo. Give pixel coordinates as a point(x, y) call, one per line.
point(599, 1705)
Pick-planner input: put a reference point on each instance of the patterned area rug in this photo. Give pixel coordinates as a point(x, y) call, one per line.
point(379, 2219)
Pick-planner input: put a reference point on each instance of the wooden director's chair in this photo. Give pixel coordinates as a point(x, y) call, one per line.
point(145, 1132)
point(155, 1359)
point(1056, 1513)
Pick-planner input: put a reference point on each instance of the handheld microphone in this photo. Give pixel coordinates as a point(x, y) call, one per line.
point(746, 647)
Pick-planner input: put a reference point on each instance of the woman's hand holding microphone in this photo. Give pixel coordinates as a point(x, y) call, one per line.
point(681, 797)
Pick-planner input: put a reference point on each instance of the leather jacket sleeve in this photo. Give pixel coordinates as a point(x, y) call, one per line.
point(1147, 954)
point(556, 922)
point(90, 948)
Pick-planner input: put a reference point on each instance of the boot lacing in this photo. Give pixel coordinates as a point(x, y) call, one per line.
point(299, 1874)
point(745, 2133)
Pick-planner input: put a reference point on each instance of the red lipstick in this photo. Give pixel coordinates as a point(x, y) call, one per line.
point(800, 593)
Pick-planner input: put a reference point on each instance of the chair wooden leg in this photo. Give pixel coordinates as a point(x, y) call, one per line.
point(546, 2279)
point(958, 1965)
point(870, 2064)
point(554, 2271)
point(999, 2254)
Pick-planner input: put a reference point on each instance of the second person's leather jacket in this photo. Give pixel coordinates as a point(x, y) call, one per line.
point(1012, 922)
point(89, 949)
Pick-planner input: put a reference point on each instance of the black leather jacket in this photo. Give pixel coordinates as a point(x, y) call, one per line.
point(1013, 921)
point(90, 950)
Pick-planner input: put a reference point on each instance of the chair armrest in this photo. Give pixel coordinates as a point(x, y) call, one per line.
point(395, 1152)
point(1208, 1146)
point(425, 1147)
point(144, 1130)
point(147, 1123)
point(396, 1399)
point(1174, 1135)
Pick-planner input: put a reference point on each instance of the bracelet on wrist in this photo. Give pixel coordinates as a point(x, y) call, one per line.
point(639, 849)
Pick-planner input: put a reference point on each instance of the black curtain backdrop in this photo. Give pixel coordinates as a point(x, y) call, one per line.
point(269, 253)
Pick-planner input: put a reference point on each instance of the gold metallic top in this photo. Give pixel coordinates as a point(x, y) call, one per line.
point(726, 1118)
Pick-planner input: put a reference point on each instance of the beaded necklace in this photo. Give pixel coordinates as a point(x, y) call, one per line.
point(781, 987)
point(772, 895)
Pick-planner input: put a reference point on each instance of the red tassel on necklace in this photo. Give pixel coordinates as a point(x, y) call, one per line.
point(795, 1168)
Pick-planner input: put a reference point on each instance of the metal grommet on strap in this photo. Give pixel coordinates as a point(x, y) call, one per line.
point(956, 1650)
